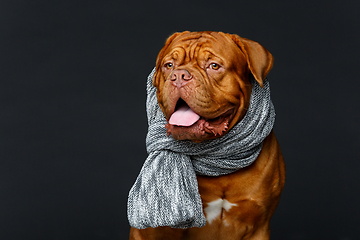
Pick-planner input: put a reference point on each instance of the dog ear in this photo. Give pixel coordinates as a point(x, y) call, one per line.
point(260, 60)
point(161, 54)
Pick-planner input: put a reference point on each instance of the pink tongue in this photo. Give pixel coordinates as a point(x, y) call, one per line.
point(184, 116)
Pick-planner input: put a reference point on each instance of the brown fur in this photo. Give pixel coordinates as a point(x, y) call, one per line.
point(255, 189)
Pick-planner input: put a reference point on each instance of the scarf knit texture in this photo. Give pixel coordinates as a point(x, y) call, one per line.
point(166, 191)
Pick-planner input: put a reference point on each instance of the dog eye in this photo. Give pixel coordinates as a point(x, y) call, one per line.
point(214, 66)
point(168, 65)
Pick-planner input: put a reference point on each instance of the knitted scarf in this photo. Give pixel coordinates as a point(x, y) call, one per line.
point(166, 191)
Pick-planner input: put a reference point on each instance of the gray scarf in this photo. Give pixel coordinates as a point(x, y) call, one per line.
point(166, 191)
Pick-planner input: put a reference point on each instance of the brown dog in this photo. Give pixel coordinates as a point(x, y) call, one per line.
point(210, 72)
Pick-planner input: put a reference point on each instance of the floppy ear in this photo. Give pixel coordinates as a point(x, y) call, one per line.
point(160, 56)
point(260, 60)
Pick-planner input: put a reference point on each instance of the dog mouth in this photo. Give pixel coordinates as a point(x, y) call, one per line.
point(183, 115)
point(185, 123)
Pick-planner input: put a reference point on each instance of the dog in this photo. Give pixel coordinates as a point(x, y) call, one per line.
point(210, 72)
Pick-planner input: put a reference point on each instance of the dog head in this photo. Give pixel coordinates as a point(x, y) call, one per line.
point(202, 81)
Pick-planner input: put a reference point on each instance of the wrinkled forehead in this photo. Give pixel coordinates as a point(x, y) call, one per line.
point(201, 45)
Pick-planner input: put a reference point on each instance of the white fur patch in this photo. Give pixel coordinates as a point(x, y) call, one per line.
point(227, 205)
point(214, 208)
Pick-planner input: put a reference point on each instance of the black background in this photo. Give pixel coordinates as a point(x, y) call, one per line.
point(73, 121)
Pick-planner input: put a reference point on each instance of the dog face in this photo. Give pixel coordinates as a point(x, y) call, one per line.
point(202, 81)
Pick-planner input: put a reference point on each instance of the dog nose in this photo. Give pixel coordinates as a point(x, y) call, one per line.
point(180, 77)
